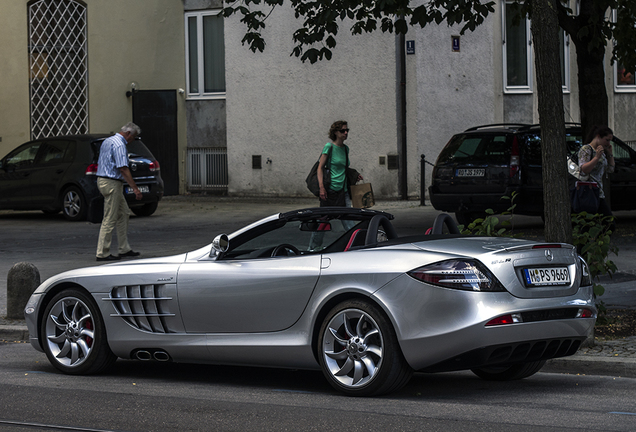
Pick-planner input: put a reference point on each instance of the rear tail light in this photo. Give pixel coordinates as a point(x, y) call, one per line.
point(467, 275)
point(91, 169)
point(516, 318)
point(154, 166)
point(586, 277)
point(514, 157)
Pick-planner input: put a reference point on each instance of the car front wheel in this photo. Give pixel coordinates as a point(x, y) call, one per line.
point(73, 204)
point(359, 352)
point(73, 334)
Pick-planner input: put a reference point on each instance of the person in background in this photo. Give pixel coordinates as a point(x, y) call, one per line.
point(596, 159)
point(337, 194)
point(112, 171)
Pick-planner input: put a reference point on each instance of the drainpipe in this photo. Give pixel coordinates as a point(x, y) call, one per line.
point(401, 114)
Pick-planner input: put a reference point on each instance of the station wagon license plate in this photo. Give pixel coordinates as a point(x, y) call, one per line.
point(470, 172)
point(143, 189)
point(547, 276)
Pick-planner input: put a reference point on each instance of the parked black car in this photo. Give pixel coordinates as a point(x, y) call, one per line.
point(482, 164)
point(59, 174)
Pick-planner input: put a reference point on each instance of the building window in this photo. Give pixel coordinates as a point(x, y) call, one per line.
point(58, 68)
point(623, 78)
point(205, 54)
point(517, 53)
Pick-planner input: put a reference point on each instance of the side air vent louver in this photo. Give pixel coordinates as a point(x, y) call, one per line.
point(145, 307)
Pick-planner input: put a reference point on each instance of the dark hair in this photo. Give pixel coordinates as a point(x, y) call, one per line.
point(601, 131)
point(336, 127)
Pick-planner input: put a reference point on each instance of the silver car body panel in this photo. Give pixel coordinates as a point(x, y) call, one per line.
point(266, 311)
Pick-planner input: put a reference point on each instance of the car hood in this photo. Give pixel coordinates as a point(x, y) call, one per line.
point(103, 277)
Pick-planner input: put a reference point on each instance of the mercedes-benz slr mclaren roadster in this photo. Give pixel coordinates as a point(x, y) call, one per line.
point(326, 288)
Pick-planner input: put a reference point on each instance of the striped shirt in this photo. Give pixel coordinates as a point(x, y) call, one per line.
point(112, 156)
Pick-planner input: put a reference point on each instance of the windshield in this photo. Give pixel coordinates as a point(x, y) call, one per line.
point(313, 236)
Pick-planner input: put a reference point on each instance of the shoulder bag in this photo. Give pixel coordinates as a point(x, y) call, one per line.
point(312, 179)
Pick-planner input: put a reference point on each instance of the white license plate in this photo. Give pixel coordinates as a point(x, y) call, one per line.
point(143, 189)
point(547, 276)
point(470, 172)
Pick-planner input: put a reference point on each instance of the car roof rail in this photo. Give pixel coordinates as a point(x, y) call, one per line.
point(494, 125)
point(537, 125)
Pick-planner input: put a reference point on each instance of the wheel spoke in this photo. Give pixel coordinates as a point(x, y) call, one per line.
point(346, 368)
point(341, 355)
point(370, 365)
point(347, 325)
point(336, 336)
point(358, 372)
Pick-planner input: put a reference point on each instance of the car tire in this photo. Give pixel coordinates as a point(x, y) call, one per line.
point(465, 218)
point(509, 373)
point(359, 352)
point(73, 334)
point(146, 209)
point(74, 205)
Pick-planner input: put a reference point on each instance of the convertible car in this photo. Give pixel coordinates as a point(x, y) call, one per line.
point(328, 288)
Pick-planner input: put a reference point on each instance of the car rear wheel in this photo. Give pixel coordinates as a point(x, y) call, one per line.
point(509, 373)
point(465, 218)
point(74, 205)
point(74, 336)
point(146, 209)
point(359, 352)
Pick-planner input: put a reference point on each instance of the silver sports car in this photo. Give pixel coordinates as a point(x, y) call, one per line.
point(326, 288)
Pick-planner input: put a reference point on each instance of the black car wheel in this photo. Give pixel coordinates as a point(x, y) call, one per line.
point(146, 209)
point(74, 206)
point(509, 373)
point(465, 218)
point(359, 352)
point(74, 336)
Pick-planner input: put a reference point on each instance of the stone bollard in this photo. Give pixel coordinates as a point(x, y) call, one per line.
point(22, 280)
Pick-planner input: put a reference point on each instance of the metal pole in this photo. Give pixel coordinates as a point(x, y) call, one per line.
point(422, 180)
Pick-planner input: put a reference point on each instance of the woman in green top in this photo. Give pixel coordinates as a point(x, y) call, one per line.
point(337, 193)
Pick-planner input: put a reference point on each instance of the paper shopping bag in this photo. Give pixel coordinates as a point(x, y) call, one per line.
point(362, 195)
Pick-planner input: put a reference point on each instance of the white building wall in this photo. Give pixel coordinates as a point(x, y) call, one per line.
point(281, 108)
point(455, 90)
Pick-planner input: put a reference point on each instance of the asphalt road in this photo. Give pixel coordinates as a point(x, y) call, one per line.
point(164, 397)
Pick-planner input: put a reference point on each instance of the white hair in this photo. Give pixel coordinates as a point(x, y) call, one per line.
point(132, 128)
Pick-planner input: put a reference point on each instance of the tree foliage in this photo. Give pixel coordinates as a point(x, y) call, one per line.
point(321, 20)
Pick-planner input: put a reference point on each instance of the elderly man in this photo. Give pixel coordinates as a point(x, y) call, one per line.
point(112, 171)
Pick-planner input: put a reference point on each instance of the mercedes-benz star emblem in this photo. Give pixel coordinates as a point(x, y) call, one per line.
point(548, 255)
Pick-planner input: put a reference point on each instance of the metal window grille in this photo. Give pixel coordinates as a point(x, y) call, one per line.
point(207, 168)
point(58, 68)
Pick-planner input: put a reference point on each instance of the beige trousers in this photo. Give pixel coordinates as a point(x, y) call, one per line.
point(116, 214)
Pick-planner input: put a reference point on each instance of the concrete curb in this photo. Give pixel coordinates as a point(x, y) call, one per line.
point(592, 365)
point(18, 333)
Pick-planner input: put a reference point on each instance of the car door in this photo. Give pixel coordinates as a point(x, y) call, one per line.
point(15, 176)
point(52, 161)
point(246, 295)
point(623, 179)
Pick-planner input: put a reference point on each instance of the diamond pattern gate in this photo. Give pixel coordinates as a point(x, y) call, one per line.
point(58, 68)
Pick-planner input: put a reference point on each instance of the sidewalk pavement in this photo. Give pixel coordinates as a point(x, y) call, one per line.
point(606, 357)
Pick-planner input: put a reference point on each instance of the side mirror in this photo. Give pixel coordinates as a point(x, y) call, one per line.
point(220, 245)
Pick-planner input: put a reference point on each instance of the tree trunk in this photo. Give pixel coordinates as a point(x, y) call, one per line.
point(593, 102)
point(545, 34)
point(585, 31)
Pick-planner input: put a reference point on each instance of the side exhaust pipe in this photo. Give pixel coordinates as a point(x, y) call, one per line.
point(161, 356)
point(143, 355)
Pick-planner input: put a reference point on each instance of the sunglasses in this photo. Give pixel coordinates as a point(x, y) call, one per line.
point(344, 131)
